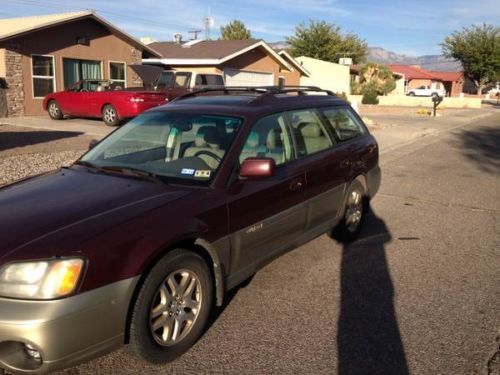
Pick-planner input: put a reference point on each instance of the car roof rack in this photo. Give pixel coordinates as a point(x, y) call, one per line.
point(264, 91)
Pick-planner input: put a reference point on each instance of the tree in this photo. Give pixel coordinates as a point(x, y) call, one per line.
point(375, 77)
point(477, 48)
point(235, 30)
point(324, 41)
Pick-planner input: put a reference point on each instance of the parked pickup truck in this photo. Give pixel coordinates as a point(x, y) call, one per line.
point(427, 91)
point(175, 83)
point(101, 99)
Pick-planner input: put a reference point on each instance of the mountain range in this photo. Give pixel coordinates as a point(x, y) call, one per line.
point(383, 56)
point(429, 62)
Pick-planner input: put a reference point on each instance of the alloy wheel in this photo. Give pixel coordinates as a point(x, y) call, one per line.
point(53, 109)
point(175, 307)
point(354, 210)
point(109, 115)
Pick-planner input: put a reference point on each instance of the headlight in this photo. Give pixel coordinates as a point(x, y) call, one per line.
point(40, 280)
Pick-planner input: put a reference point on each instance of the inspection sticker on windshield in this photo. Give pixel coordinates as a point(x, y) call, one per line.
point(188, 171)
point(202, 173)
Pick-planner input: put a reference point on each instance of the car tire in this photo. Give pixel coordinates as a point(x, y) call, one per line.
point(158, 312)
point(411, 94)
point(54, 110)
point(110, 115)
point(356, 206)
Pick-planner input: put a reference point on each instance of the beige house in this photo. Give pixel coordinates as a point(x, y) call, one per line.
point(242, 62)
point(324, 74)
point(43, 54)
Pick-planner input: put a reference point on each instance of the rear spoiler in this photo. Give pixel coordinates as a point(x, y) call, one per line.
point(150, 74)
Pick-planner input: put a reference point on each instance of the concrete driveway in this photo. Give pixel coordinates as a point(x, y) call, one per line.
point(417, 293)
point(91, 127)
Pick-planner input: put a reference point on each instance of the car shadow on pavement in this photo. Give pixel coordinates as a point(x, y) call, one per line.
point(15, 139)
point(228, 297)
point(482, 145)
point(368, 338)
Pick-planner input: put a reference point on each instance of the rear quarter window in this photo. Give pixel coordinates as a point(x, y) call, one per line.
point(343, 124)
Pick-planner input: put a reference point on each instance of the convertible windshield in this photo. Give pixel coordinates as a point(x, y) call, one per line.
point(170, 145)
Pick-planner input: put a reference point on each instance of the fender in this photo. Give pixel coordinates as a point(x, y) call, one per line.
point(218, 267)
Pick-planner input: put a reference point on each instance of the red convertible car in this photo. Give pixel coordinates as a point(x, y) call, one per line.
point(101, 99)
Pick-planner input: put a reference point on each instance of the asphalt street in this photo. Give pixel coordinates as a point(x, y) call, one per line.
point(418, 293)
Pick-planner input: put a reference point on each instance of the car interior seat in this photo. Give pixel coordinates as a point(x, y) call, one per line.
point(253, 147)
point(314, 138)
point(274, 145)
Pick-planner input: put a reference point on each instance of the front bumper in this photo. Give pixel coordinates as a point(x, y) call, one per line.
point(66, 331)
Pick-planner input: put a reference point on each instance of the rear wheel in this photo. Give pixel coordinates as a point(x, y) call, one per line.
point(411, 93)
point(54, 110)
point(172, 307)
point(354, 214)
point(110, 115)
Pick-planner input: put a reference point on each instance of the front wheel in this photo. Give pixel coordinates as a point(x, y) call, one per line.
point(110, 115)
point(172, 307)
point(354, 214)
point(54, 110)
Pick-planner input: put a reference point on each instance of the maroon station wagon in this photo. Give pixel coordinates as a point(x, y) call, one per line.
point(136, 241)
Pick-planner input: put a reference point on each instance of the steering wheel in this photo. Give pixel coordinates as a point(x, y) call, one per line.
point(214, 156)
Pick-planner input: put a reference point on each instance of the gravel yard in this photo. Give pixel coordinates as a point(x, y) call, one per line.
point(25, 152)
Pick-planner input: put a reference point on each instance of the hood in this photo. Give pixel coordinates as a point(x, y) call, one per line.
point(71, 199)
point(149, 74)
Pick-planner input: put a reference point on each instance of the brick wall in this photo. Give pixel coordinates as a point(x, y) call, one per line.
point(136, 59)
point(14, 80)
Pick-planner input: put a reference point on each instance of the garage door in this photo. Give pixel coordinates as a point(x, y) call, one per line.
point(235, 77)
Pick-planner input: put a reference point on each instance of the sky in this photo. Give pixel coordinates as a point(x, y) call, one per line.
point(413, 27)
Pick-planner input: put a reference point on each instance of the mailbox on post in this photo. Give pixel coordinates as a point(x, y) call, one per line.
point(436, 100)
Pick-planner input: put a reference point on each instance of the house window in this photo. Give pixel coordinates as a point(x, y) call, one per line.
point(76, 70)
point(44, 80)
point(117, 73)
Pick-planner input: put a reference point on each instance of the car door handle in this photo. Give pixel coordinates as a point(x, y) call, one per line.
point(296, 185)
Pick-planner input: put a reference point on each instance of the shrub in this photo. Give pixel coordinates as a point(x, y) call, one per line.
point(369, 96)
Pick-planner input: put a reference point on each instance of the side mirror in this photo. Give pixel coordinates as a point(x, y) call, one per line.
point(257, 168)
point(93, 143)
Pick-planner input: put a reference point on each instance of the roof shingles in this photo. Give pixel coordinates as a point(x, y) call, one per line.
point(206, 49)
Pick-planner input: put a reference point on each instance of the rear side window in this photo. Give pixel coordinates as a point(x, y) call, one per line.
point(269, 138)
point(309, 132)
point(343, 123)
point(209, 80)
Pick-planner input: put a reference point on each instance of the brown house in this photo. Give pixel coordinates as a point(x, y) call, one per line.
point(43, 54)
point(243, 62)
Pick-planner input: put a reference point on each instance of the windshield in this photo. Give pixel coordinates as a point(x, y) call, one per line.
point(170, 145)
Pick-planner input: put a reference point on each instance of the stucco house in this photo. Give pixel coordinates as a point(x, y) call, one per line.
point(327, 75)
point(43, 54)
point(242, 62)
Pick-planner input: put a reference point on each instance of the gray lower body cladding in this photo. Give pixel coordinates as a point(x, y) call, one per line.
point(66, 331)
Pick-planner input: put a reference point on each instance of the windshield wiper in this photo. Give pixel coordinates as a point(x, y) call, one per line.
point(87, 164)
point(125, 171)
point(132, 172)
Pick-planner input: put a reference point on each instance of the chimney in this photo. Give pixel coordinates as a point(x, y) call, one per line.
point(177, 38)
